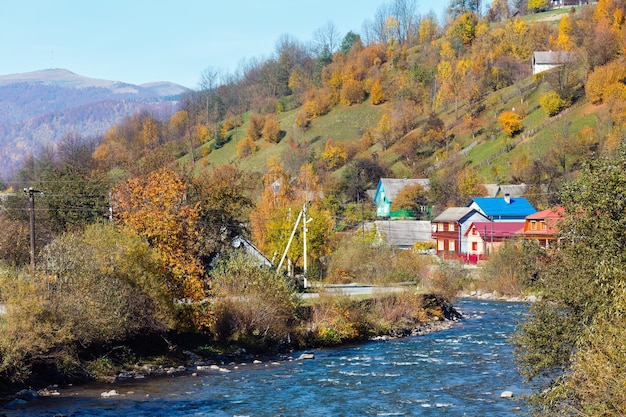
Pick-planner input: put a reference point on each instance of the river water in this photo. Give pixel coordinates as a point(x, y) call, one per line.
point(456, 372)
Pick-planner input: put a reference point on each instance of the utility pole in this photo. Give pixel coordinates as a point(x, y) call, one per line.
point(31, 208)
point(304, 229)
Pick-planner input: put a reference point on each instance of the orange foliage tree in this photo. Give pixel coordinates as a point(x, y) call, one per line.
point(271, 130)
point(154, 207)
point(510, 122)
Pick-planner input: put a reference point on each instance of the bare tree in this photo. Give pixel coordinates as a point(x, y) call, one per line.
point(404, 12)
point(376, 30)
point(327, 37)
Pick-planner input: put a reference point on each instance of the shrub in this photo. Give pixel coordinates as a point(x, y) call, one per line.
point(246, 147)
point(336, 319)
point(271, 130)
point(552, 103)
point(253, 306)
point(365, 260)
point(511, 269)
point(255, 126)
point(397, 312)
point(447, 279)
point(100, 286)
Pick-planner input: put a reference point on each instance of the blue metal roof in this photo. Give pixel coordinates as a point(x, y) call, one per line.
point(499, 208)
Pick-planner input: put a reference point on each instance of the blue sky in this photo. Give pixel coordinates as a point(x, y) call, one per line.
point(139, 41)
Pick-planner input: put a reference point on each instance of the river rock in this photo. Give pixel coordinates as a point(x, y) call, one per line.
point(15, 403)
point(306, 355)
point(27, 395)
point(506, 394)
point(108, 394)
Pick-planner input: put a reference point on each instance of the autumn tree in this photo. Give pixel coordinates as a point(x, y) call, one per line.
point(352, 92)
point(511, 122)
point(276, 194)
point(412, 197)
point(572, 341)
point(377, 96)
point(384, 133)
point(334, 155)
point(319, 232)
point(246, 147)
point(271, 130)
point(255, 126)
point(469, 185)
point(536, 6)
point(552, 103)
point(155, 208)
point(224, 198)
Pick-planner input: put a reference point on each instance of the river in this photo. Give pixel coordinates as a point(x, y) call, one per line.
point(456, 372)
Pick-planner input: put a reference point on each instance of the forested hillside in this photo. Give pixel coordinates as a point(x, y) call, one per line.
point(152, 204)
point(38, 108)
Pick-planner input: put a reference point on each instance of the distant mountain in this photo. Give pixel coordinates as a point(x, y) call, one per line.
point(38, 108)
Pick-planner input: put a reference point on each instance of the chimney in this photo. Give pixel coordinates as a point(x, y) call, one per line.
point(507, 198)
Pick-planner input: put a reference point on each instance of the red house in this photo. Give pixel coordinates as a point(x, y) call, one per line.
point(448, 229)
point(484, 238)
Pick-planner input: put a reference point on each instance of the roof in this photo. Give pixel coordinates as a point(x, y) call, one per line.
point(551, 213)
point(454, 214)
point(514, 190)
point(393, 186)
point(552, 57)
point(404, 233)
point(496, 230)
point(499, 208)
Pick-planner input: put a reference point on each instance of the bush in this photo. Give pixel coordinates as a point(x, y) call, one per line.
point(246, 147)
point(397, 312)
point(336, 319)
point(253, 306)
point(364, 260)
point(100, 286)
point(511, 269)
point(447, 279)
point(552, 103)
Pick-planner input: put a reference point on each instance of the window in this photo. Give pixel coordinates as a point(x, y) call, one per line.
point(543, 225)
point(533, 225)
point(451, 246)
point(475, 246)
point(474, 231)
point(440, 246)
point(450, 227)
point(440, 227)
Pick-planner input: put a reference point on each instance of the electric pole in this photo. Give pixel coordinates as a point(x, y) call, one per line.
point(31, 208)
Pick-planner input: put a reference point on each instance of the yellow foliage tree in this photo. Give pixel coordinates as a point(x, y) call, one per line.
point(277, 194)
point(377, 95)
point(563, 40)
point(246, 147)
point(335, 154)
point(510, 122)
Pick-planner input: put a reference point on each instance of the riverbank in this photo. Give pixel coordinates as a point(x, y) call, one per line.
point(456, 372)
point(385, 317)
